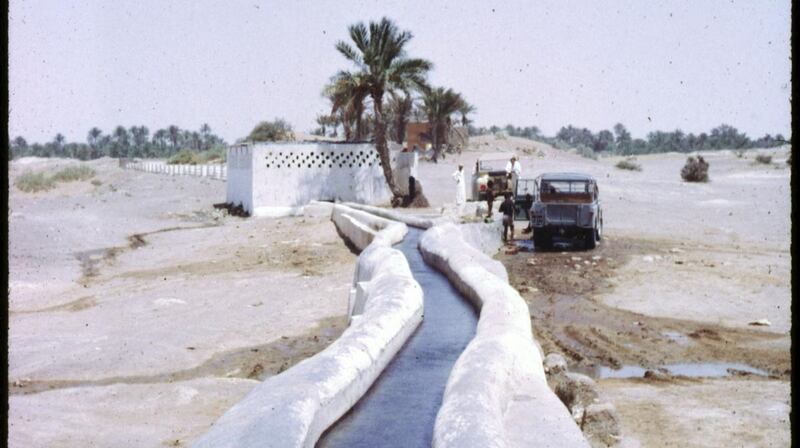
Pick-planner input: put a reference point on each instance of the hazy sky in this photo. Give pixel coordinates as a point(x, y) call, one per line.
point(651, 65)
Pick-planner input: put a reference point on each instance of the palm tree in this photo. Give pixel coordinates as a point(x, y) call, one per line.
point(58, 143)
point(464, 110)
point(174, 135)
point(160, 140)
point(347, 92)
point(380, 58)
point(93, 138)
point(439, 105)
point(400, 107)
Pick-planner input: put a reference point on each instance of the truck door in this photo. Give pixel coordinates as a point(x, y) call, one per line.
point(524, 192)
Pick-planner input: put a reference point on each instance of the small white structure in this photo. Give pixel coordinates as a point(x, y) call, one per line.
point(274, 179)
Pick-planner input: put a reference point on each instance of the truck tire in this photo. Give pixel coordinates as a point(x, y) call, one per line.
point(541, 240)
point(590, 239)
point(599, 231)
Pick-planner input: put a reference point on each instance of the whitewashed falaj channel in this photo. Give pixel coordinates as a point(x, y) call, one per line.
point(439, 349)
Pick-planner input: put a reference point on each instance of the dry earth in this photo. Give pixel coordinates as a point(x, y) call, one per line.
point(139, 313)
point(681, 272)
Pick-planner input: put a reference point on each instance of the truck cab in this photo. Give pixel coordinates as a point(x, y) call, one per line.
point(565, 205)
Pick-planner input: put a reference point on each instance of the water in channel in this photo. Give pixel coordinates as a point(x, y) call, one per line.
point(400, 408)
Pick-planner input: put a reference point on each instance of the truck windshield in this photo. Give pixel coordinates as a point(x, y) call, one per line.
point(492, 165)
point(565, 186)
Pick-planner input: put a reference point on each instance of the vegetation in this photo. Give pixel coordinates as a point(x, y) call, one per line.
point(135, 141)
point(382, 66)
point(440, 104)
point(31, 182)
point(271, 131)
point(585, 151)
point(621, 142)
point(629, 164)
point(74, 173)
point(183, 157)
point(764, 159)
point(695, 170)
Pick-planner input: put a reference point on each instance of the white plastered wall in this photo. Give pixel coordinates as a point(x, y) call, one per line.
point(271, 179)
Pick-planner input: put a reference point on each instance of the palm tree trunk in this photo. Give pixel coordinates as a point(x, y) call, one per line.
point(359, 123)
point(380, 144)
point(436, 141)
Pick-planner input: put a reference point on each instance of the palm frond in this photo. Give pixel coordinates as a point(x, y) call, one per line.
point(348, 52)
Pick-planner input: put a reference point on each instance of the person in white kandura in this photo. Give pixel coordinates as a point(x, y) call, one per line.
point(513, 166)
point(461, 192)
point(513, 171)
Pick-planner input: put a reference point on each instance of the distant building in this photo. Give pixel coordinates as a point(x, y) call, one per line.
point(419, 133)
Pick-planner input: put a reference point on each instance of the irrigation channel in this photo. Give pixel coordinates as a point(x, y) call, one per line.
point(400, 408)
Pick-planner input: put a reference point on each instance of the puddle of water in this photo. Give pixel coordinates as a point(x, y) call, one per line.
point(678, 338)
point(698, 370)
point(623, 372)
point(712, 369)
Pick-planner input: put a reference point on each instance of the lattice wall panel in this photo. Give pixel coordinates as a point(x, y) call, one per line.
point(356, 158)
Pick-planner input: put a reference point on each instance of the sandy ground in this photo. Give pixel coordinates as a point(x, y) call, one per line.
point(139, 313)
point(681, 272)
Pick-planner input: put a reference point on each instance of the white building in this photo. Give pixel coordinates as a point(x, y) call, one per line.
point(273, 179)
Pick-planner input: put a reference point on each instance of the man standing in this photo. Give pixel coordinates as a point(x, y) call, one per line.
point(513, 172)
point(489, 199)
point(507, 209)
point(461, 192)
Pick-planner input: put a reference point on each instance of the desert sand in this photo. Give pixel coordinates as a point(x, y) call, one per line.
point(139, 313)
point(682, 271)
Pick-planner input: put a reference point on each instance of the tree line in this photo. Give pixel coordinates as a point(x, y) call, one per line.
point(621, 142)
point(135, 141)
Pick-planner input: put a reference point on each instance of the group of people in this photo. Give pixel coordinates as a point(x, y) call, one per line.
point(513, 171)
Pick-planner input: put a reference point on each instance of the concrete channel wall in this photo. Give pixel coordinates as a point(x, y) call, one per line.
point(497, 394)
point(294, 408)
point(214, 171)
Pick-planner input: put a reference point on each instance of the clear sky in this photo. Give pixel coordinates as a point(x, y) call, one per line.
point(648, 64)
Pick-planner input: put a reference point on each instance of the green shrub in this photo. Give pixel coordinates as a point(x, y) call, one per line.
point(217, 154)
point(96, 182)
point(695, 170)
point(74, 173)
point(587, 152)
point(558, 144)
point(764, 159)
point(272, 131)
point(183, 157)
point(629, 164)
point(31, 182)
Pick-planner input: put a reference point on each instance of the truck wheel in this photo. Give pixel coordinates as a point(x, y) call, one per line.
point(599, 231)
point(541, 240)
point(591, 239)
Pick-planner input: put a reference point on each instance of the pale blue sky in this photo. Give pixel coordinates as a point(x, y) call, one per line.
point(651, 65)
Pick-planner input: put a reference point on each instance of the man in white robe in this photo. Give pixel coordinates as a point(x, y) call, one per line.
point(461, 192)
point(513, 172)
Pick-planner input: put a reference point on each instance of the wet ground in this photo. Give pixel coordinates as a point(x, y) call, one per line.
point(561, 285)
point(400, 408)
